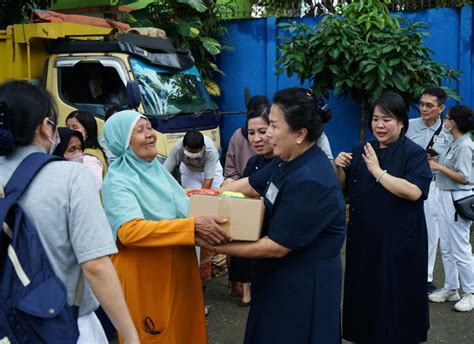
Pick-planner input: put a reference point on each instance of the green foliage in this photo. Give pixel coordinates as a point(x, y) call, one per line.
point(190, 24)
point(15, 11)
point(362, 53)
point(278, 8)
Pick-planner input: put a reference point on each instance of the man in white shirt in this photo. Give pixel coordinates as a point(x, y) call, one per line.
point(427, 132)
point(198, 161)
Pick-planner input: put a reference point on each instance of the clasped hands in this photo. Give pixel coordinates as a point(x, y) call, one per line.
point(208, 232)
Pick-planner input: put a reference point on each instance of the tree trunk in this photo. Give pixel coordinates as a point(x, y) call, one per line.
point(363, 121)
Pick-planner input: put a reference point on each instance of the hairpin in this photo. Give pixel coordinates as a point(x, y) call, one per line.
point(4, 118)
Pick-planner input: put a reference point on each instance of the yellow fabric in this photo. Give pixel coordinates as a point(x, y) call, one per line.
point(98, 154)
point(158, 270)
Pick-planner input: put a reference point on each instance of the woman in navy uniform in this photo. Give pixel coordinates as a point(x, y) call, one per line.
point(240, 269)
point(297, 285)
point(386, 252)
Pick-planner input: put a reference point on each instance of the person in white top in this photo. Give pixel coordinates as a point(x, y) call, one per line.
point(455, 180)
point(426, 132)
point(63, 205)
point(198, 161)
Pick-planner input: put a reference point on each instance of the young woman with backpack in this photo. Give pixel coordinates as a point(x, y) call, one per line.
point(64, 206)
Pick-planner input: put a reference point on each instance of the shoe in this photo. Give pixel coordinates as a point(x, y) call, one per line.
point(443, 295)
point(466, 304)
point(244, 304)
point(431, 288)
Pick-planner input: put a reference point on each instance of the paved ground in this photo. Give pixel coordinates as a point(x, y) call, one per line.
point(226, 321)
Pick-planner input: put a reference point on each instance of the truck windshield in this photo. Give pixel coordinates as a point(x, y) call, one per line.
point(167, 92)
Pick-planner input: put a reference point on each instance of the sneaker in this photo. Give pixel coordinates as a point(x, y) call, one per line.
point(431, 288)
point(466, 304)
point(443, 295)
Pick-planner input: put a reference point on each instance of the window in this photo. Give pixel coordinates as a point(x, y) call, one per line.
point(91, 85)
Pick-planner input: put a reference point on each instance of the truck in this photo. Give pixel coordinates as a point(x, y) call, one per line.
point(94, 68)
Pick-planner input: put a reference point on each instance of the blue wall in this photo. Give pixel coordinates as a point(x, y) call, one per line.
point(252, 65)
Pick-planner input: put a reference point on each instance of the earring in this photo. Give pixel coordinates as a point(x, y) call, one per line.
point(298, 142)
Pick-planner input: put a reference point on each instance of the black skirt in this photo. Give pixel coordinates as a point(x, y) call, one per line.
point(240, 270)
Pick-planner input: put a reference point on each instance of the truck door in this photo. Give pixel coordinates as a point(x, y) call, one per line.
point(93, 84)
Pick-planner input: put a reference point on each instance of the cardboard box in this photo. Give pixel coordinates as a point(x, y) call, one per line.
point(244, 215)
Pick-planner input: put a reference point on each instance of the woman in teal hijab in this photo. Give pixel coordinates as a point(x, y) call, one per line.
point(156, 262)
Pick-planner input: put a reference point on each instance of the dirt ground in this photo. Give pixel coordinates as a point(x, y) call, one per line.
point(226, 320)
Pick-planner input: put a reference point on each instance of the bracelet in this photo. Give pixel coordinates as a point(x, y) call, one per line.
point(380, 176)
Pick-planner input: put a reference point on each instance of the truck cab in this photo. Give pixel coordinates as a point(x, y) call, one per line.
point(90, 69)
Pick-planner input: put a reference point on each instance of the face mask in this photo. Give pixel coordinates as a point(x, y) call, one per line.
point(78, 157)
point(447, 130)
point(54, 143)
point(194, 155)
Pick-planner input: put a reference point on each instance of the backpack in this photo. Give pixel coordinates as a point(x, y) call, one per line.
point(33, 300)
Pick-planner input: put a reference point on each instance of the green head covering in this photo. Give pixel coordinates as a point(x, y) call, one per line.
point(134, 188)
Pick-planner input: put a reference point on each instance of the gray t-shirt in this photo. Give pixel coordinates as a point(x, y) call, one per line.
point(207, 163)
point(63, 204)
point(457, 157)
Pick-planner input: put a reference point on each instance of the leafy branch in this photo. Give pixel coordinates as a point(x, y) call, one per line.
point(362, 53)
point(190, 24)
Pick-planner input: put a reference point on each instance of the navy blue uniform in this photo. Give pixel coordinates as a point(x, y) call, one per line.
point(385, 298)
point(296, 299)
point(240, 269)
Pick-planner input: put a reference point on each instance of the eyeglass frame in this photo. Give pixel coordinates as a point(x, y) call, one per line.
point(429, 106)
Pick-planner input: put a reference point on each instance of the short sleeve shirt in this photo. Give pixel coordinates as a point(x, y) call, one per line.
point(457, 157)
point(419, 133)
point(63, 204)
point(206, 164)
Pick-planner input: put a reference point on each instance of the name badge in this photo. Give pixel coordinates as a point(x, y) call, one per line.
point(438, 139)
point(272, 193)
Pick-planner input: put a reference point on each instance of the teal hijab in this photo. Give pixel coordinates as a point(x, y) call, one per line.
point(134, 188)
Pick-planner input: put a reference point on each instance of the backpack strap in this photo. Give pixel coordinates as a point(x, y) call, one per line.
point(25, 173)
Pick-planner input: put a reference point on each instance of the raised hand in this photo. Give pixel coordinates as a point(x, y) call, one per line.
point(371, 160)
point(343, 159)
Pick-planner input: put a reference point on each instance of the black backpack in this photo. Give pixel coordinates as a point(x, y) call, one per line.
point(33, 300)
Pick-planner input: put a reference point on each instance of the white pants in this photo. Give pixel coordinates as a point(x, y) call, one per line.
point(198, 254)
point(455, 247)
point(90, 330)
point(194, 180)
point(431, 206)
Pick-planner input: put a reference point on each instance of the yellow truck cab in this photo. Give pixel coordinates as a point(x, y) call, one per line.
point(88, 68)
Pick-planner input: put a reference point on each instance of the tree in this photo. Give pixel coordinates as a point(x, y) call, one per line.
point(361, 53)
point(14, 11)
point(190, 24)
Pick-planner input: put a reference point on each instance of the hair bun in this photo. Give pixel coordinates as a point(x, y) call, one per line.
point(323, 110)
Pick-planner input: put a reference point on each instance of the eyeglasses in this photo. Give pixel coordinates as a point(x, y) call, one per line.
point(53, 123)
point(429, 106)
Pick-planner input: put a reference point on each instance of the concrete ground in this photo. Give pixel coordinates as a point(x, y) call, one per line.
point(226, 320)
